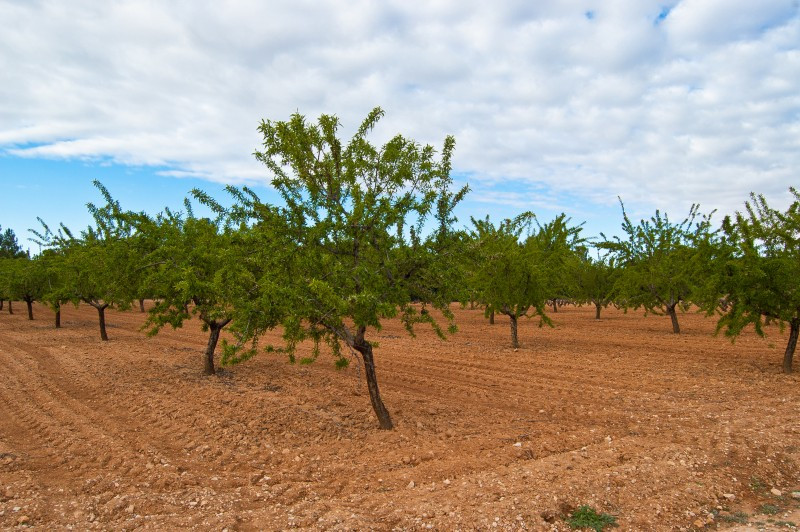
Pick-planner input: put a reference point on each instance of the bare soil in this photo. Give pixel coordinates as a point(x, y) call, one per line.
point(663, 431)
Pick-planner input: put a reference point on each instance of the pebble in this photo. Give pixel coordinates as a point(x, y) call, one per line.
point(518, 444)
point(776, 492)
point(23, 519)
point(796, 495)
point(699, 523)
point(411, 485)
point(729, 496)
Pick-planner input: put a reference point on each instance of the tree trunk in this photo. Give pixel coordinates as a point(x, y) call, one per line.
point(141, 305)
point(1, 304)
point(794, 329)
point(58, 315)
point(365, 349)
point(29, 302)
point(555, 305)
point(597, 309)
point(101, 316)
point(514, 337)
point(491, 318)
point(208, 359)
point(674, 316)
point(10, 310)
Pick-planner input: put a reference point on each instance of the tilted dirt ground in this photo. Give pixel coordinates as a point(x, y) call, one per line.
point(662, 431)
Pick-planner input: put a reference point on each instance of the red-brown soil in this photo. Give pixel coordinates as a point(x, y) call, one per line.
point(619, 414)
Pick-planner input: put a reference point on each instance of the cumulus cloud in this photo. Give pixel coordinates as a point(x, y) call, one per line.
point(664, 103)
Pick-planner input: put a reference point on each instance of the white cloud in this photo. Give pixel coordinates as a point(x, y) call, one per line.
point(664, 103)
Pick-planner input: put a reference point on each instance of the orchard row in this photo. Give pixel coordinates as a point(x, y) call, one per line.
point(366, 233)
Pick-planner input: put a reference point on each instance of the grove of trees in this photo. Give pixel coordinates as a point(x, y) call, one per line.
point(365, 233)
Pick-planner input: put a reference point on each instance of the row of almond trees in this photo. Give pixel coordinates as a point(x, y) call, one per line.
point(366, 233)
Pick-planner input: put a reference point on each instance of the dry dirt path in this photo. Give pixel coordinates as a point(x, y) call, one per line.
point(665, 432)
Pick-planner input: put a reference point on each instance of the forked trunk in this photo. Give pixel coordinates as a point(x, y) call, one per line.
point(794, 329)
point(365, 349)
point(597, 309)
point(29, 302)
point(514, 337)
point(674, 317)
point(215, 327)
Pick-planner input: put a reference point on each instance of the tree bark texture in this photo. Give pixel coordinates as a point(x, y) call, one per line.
point(491, 318)
point(794, 330)
point(365, 349)
point(58, 317)
point(514, 336)
point(674, 316)
point(597, 309)
point(29, 303)
point(101, 316)
point(208, 357)
point(10, 310)
point(141, 305)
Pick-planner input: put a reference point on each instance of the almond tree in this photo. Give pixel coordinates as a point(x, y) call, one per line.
point(660, 265)
point(351, 227)
point(758, 267)
point(25, 281)
point(594, 281)
point(98, 266)
point(508, 277)
point(193, 267)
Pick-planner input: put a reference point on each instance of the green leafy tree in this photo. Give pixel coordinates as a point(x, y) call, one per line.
point(26, 281)
point(353, 221)
point(758, 270)
point(510, 277)
point(660, 265)
point(6, 272)
point(9, 247)
point(196, 270)
point(558, 246)
point(52, 259)
point(595, 281)
point(100, 265)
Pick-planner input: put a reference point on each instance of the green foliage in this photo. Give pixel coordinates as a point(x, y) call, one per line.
point(661, 267)
point(587, 517)
point(26, 279)
point(347, 245)
point(515, 276)
point(769, 509)
point(9, 247)
point(758, 266)
point(595, 280)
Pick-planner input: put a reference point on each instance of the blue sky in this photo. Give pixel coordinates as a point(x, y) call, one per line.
point(555, 106)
